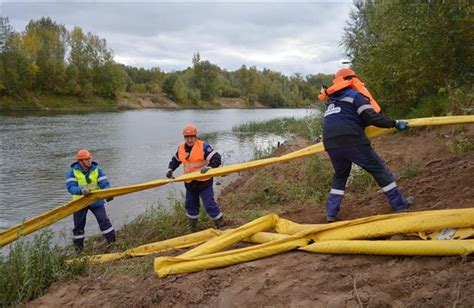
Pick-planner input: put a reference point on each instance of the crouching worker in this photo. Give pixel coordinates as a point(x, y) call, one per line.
point(84, 177)
point(350, 109)
point(196, 155)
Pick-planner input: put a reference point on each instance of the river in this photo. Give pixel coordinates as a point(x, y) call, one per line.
point(131, 146)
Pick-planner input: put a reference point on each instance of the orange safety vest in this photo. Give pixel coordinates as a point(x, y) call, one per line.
point(354, 83)
point(195, 161)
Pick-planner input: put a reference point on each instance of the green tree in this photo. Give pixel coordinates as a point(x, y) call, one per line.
point(80, 65)
point(206, 78)
point(45, 42)
point(174, 86)
point(405, 50)
point(17, 71)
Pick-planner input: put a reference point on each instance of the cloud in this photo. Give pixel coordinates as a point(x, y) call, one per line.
point(288, 37)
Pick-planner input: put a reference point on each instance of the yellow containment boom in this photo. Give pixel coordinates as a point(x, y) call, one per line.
point(56, 214)
point(346, 237)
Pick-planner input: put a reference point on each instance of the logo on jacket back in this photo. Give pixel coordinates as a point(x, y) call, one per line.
point(332, 110)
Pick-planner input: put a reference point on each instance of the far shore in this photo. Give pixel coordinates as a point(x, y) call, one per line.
point(127, 101)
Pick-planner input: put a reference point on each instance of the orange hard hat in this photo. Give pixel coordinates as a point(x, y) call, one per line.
point(345, 72)
point(83, 154)
point(190, 130)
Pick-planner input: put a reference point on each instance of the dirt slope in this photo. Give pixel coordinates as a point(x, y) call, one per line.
point(442, 180)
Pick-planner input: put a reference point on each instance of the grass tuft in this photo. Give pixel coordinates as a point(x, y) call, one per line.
point(31, 267)
point(460, 145)
point(308, 127)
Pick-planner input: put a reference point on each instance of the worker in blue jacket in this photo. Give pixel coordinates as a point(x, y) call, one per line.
point(347, 114)
point(197, 156)
point(84, 177)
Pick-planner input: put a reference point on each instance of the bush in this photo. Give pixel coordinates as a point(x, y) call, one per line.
point(228, 91)
point(138, 88)
point(194, 95)
point(432, 106)
point(462, 100)
point(252, 98)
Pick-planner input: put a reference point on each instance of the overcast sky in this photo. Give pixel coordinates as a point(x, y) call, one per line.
point(287, 37)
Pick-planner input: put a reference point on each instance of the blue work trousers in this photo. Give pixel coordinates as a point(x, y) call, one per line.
point(210, 205)
point(80, 222)
point(365, 157)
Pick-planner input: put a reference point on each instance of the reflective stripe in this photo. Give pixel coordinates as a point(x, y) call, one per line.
point(337, 192)
point(192, 216)
point(217, 217)
point(78, 237)
point(363, 107)
point(71, 180)
point(108, 230)
point(347, 99)
point(194, 165)
point(102, 178)
point(210, 155)
point(389, 187)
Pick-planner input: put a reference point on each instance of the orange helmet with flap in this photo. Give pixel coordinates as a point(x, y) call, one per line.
point(345, 72)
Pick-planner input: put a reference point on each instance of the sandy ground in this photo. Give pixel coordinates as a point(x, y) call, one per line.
point(444, 180)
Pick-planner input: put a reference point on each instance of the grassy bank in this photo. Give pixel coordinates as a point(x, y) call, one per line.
point(308, 127)
point(31, 267)
point(56, 103)
point(49, 103)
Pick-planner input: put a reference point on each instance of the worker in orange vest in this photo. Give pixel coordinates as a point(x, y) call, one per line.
point(197, 156)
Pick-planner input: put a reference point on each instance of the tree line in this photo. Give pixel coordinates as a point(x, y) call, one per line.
point(412, 53)
point(46, 58)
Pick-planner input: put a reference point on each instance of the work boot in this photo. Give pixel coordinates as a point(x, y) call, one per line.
point(79, 246)
point(409, 201)
point(330, 218)
point(110, 248)
point(219, 223)
point(193, 224)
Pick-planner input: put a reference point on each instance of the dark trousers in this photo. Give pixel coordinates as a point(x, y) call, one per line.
point(365, 157)
point(207, 195)
point(80, 222)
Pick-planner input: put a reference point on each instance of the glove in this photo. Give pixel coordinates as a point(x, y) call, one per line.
point(205, 169)
point(109, 199)
point(85, 191)
point(169, 174)
point(401, 125)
